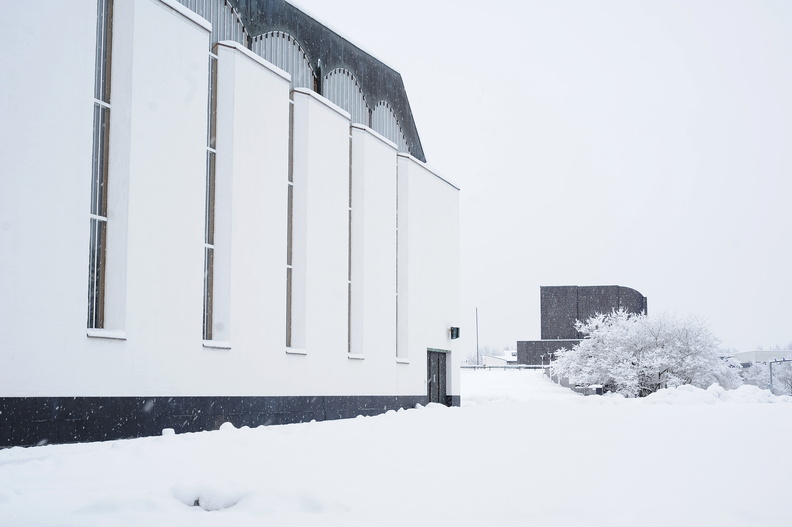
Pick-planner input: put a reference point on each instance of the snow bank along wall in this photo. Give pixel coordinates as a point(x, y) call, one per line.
point(268, 257)
point(562, 306)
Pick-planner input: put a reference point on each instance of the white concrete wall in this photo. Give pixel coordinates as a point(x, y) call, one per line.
point(428, 271)
point(158, 123)
point(373, 348)
point(321, 241)
point(46, 120)
point(167, 78)
point(250, 227)
point(156, 216)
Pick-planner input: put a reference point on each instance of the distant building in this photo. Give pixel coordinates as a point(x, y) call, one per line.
point(748, 357)
point(508, 358)
point(562, 306)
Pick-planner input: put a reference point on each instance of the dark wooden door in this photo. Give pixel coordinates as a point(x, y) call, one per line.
point(436, 376)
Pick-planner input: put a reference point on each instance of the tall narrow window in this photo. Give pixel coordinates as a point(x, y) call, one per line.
point(397, 257)
point(101, 136)
point(290, 229)
point(349, 255)
point(209, 227)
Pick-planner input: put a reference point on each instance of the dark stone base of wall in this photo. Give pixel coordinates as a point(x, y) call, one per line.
point(30, 421)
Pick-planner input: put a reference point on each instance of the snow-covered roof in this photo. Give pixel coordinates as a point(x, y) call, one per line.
point(500, 358)
point(762, 356)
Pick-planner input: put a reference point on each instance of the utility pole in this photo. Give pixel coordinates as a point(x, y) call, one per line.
point(478, 361)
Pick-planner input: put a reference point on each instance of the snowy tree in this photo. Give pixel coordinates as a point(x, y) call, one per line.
point(758, 374)
point(636, 355)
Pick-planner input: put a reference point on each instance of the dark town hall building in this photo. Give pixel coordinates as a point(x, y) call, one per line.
point(562, 306)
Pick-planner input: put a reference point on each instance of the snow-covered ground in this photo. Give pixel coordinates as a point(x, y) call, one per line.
point(521, 451)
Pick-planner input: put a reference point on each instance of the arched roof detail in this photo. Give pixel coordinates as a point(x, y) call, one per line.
point(305, 48)
point(283, 50)
point(385, 123)
point(342, 88)
point(327, 51)
point(225, 19)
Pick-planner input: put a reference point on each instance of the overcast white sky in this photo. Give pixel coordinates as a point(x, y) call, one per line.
point(638, 143)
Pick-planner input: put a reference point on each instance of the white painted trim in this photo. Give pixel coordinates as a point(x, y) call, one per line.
point(296, 351)
point(356, 356)
point(106, 334)
point(376, 135)
point(428, 169)
point(305, 91)
point(217, 344)
point(186, 13)
point(232, 44)
point(400, 360)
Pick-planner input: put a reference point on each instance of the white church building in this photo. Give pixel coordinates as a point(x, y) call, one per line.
point(211, 211)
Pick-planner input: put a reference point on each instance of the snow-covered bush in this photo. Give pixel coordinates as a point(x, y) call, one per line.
point(758, 374)
point(636, 355)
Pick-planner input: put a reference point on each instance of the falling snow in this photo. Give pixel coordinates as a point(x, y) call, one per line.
point(520, 451)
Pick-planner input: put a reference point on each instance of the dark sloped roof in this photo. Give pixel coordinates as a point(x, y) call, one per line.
point(323, 46)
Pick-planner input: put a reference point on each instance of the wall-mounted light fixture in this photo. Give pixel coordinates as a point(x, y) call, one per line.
point(454, 333)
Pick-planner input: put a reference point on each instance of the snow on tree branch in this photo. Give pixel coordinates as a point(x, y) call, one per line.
point(636, 355)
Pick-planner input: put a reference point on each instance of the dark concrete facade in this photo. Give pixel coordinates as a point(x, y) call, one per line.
point(540, 351)
point(30, 421)
point(562, 306)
